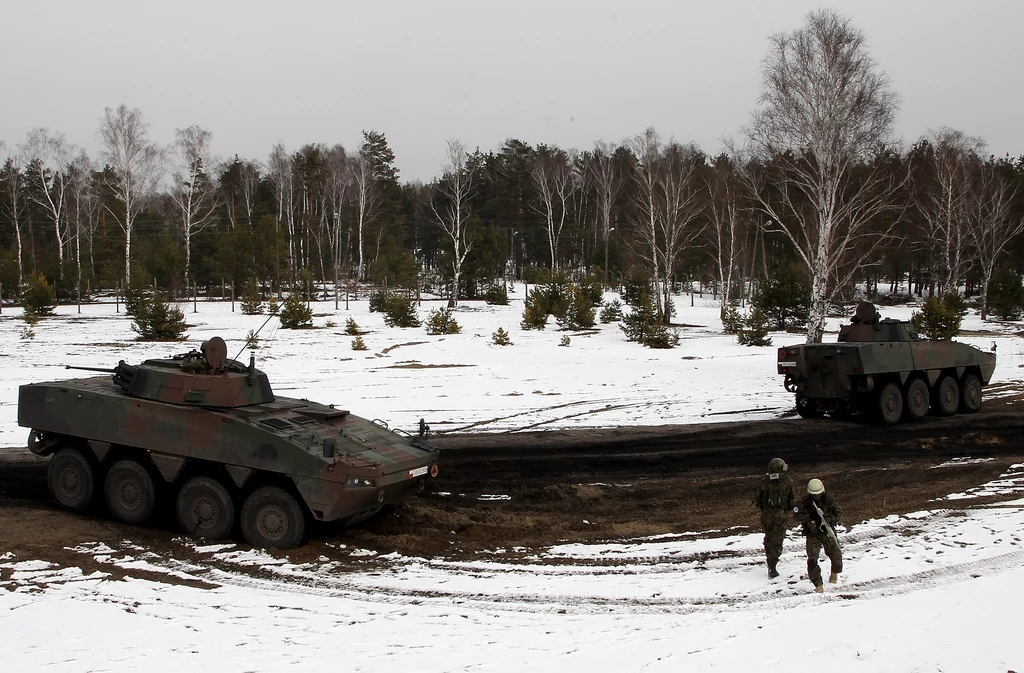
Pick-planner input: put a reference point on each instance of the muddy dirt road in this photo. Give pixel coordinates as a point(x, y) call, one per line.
point(520, 491)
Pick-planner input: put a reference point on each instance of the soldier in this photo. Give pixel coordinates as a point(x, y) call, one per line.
point(775, 500)
point(819, 534)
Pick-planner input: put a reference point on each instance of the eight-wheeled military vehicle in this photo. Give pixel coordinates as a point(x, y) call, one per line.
point(209, 432)
point(884, 368)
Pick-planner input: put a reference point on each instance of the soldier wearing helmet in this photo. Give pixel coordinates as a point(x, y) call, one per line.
point(775, 500)
point(818, 534)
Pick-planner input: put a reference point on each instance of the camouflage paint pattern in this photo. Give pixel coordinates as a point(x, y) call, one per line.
point(871, 352)
point(343, 466)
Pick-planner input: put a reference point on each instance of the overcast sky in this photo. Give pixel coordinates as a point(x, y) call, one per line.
point(255, 72)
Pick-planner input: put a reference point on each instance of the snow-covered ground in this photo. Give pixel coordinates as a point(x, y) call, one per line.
point(934, 590)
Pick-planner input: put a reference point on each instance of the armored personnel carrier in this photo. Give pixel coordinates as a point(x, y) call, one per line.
point(208, 432)
point(885, 369)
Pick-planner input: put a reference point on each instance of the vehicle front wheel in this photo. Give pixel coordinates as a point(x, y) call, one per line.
point(130, 492)
point(205, 509)
point(71, 478)
point(890, 404)
point(917, 400)
point(970, 394)
point(808, 407)
point(947, 396)
point(271, 517)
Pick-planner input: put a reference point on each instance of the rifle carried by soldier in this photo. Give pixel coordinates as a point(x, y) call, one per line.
point(825, 527)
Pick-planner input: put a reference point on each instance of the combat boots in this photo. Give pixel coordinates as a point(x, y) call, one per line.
point(833, 578)
point(818, 589)
point(773, 571)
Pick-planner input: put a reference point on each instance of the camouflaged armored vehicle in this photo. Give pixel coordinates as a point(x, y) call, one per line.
point(885, 369)
point(208, 432)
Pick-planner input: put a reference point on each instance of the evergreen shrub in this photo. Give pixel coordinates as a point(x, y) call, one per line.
point(440, 321)
point(940, 319)
point(295, 314)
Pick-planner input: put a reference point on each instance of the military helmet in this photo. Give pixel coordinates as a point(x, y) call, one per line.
point(777, 465)
point(815, 487)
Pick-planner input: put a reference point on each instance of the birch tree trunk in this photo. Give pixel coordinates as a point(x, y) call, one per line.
point(452, 213)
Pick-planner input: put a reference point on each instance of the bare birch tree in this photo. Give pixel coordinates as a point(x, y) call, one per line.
point(604, 173)
point(452, 213)
point(825, 109)
point(991, 223)
point(281, 173)
point(83, 204)
point(367, 200)
point(49, 157)
point(135, 167)
point(13, 181)
point(944, 199)
point(192, 191)
point(552, 173)
point(339, 167)
point(727, 233)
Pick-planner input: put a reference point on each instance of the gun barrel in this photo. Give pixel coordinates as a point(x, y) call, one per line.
point(90, 369)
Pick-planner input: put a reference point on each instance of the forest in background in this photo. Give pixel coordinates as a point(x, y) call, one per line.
point(818, 190)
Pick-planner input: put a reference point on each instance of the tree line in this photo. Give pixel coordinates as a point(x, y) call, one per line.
point(817, 186)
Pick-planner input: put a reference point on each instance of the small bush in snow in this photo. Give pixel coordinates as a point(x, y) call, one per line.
point(496, 295)
point(501, 338)
point(156, 320)
point(754, 331)
point(400, 311)
point(440, 321)
point(940, 319)
point(611, 311)
point(351, 328)
point(252, 304)
point(295, 314)
point(565, 340)
point(37, 297)
point(358, 345)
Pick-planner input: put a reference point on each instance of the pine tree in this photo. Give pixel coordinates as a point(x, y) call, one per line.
point(295, 314)
point(252, 304)
point(157, 320)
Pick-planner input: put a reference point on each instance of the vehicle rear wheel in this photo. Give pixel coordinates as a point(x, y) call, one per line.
point(890, 404)
point(205, 509)
point(807, 407)
point(970, 394)
point(916, 400)
point(272, 518)
point(130, 492)
point(947, 396)
point(71, 478)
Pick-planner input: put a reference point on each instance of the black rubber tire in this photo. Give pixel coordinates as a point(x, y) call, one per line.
point(970, 394)
point(916, 400)
point(71, 478)
point(809, 408)
point(205, 509)
point(890, 404)
point(947, 396)
point(131, 494)
point(271, 517)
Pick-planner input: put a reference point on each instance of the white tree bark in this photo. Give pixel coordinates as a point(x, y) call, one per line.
point(552, 174)
point(991, 223)
point(281, 174)
point(945, 199)
point(825, 109)
point(135, 167)
point(605, 176)
point(367, 199)
point(727, 230)
point(49, 157)
point(451, 208)
point(13, 204)
point(193, 192)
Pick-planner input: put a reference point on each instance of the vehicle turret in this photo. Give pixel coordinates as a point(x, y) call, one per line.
point(205, 378)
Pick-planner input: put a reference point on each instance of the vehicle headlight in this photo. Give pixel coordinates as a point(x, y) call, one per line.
point(359, 482)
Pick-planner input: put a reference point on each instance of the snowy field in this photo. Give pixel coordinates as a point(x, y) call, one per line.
point(936, 590)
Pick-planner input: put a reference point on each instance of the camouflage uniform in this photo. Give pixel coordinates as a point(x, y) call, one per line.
point(816, 539)
point(775, 500)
